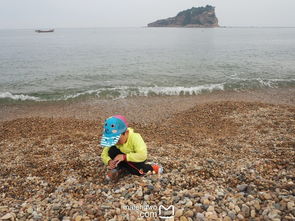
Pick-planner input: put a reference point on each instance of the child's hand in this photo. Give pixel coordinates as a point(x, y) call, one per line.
point(112, 164)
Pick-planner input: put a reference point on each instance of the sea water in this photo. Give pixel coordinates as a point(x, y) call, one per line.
point(112, 63)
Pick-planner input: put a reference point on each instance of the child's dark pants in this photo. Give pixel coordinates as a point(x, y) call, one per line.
point(131, 167)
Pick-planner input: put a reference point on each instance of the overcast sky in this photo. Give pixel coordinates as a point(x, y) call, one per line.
point(138, 13)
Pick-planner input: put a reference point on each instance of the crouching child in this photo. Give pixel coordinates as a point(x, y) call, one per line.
point(125, 152)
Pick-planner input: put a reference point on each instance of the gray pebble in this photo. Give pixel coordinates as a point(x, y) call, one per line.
point(242, 187)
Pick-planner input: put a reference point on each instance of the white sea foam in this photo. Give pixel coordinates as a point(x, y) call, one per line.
point(72, 96)
point(179, 90)
point(127, 91)
point(274, 83)
point(266, 83)
point(269, 83)
point(282, 80)
point(21, 97)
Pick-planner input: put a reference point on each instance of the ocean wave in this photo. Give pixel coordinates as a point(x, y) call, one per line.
point(238, 83)
point(22, 97)
point(274, 83)
point(73, 96)
point(127, 91)
point(170, 91)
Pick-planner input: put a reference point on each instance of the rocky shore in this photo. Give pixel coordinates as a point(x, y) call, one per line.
point(223, 160)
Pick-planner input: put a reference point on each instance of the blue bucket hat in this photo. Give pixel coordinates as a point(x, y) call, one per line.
point(113, 128)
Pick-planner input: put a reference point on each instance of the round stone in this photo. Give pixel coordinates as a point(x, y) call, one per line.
point(189, 213)
point(183, 218)
point(179, 213)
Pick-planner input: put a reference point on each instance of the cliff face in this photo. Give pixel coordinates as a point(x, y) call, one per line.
point(194, 17)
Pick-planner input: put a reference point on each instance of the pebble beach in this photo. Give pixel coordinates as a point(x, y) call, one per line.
point(226, 156)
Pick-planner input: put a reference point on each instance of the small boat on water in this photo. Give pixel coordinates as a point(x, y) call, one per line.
point(44, 31)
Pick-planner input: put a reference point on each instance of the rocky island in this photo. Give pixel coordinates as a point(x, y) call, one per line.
point(201, 17)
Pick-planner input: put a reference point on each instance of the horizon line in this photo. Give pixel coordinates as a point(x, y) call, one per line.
point(93, 27)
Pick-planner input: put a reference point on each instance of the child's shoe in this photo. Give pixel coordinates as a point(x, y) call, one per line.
point(158, 169)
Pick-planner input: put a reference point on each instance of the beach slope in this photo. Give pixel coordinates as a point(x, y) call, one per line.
point(222, 159)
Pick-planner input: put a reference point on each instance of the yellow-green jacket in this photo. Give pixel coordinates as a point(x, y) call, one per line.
point(135, 149)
